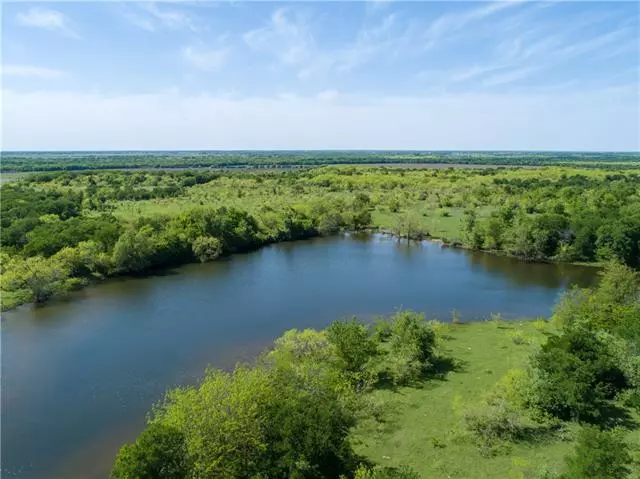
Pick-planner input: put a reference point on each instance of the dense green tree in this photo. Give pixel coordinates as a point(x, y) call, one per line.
point(268, 421)
point(133, 250)
point(411, 345)
point(599, 455)
point(613, 306)
point(206, 248)
point(51, 236)
point(494, 229)
point(39, 277)
point(159, 452)
point(86, 260)
point(354, 347)
point(576, 375)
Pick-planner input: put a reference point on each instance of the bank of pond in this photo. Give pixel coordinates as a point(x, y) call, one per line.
point(62, 231)
point(405, 397)
point(85, 370)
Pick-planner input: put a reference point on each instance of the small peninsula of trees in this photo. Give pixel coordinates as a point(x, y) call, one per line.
point(290, 414)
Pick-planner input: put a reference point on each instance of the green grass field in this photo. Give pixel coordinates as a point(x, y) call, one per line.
point(9, 177)
point(425, 426)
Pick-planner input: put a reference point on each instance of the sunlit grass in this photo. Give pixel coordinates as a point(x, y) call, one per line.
point(424, 426)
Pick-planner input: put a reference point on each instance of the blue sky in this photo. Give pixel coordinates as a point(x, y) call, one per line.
point(307, 75)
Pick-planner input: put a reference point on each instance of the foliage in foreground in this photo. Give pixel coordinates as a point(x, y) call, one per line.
point(379, 472)
point(292, 414)
point(596, 357)
point(288, 416)
point(586, 373)
point(599, 455)
point(577, 376)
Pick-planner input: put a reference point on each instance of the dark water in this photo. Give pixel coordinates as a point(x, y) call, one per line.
point(79, 376)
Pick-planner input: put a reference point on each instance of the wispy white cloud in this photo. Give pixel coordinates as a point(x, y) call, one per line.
point(595, 43)
point(152, 17)
point(31, 71)
point(450, 23)
point(171, 18)
point(474, 72)
point(205, 59)
point(511, 76)
point(538, 47)
point(143, 22)
point(47, 19)
point(286, 35)
point(386, 38)
point(394, 36)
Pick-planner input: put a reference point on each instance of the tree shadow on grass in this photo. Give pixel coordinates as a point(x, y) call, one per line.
point(539, 433)
point(441, 366)
point(386, 382)
point(612, 416)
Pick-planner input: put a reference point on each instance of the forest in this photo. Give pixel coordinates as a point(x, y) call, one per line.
point(56, 161)
point(63, 230)
point(405, 398)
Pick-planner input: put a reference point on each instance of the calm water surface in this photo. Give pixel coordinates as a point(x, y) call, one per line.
point(79, 376)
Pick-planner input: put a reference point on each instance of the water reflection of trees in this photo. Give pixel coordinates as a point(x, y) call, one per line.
point(408, 248)
point(524, 273)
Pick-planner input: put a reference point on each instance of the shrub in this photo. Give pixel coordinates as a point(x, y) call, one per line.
point(496, 319)
point(496, 422)
point(518, 337)
point(36, 278)
point(206, 248)
point(158, 453)
point(410, 347)
point(353, 348)
point(134, 250)
point(576, 375)
point(382, 330)
point(331, 223)
point(540, 324)
point(274, 420)
point(613, 306)
point(379, 472)
point(599, 455)
point(514, 387)
point(86, 260)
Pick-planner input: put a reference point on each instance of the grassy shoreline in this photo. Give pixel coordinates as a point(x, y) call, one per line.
point(425, 428)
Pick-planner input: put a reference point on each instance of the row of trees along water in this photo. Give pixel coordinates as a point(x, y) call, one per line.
point(63, 230)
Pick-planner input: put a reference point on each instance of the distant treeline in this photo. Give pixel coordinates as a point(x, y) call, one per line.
point(68, 161)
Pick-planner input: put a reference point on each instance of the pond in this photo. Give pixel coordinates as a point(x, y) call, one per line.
point(79, 376)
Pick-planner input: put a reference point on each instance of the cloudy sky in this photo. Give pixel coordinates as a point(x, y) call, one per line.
point(329, 75)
